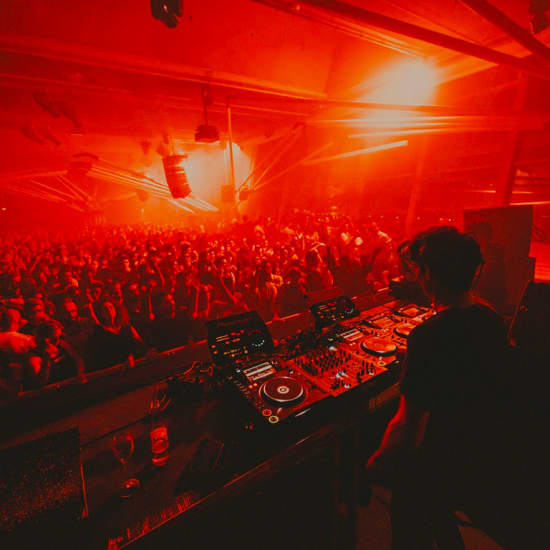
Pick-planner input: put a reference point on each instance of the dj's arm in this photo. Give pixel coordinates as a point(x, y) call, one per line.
point(404, 433)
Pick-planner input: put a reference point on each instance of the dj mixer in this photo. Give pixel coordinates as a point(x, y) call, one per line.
point(336, 370)
point(347, 350)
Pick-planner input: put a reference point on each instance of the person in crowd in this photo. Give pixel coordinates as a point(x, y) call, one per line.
point(265, 296)
point(15, 342)
point(317, 276)
point(52, 359)
point(11, 320)
point(292, 297)
point(113, 343)
point(170, 328)
point(93, 304)
point(13, 349)
point(433, 449)
point(77, 330)
point(35, 314)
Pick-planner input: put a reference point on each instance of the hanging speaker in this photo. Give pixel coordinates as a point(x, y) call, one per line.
point(175, 176)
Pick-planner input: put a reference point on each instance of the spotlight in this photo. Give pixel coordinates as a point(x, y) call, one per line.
point(167, 11)
point(175, 176)
point(539, 21)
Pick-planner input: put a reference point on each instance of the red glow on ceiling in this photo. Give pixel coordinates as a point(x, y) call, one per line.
point(412, 82)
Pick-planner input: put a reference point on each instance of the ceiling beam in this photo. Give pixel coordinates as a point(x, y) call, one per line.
point(510, 27)
point(51, 49)
point(370, 18)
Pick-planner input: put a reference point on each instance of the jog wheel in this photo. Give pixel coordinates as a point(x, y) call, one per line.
point(378, 346)
point(285, 391)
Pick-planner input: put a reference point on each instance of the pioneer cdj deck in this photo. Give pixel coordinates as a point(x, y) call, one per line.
point(276, 389)
point(347, 350)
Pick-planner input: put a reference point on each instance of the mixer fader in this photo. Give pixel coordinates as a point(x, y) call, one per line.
point(336, 370)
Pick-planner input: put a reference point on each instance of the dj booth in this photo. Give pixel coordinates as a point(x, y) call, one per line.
point(264, 433)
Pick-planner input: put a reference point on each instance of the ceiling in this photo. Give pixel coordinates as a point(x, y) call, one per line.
point(106, 78)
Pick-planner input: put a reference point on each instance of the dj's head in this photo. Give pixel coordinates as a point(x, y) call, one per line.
point(449, 259)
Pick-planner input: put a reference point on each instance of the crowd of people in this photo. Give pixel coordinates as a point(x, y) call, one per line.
point(109, 294)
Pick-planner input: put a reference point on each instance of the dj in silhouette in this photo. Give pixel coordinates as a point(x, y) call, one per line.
point(431, 454)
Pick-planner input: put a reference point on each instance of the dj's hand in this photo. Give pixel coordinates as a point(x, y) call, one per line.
point(378, 470)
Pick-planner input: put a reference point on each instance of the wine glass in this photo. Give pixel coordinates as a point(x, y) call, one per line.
point(122, 446)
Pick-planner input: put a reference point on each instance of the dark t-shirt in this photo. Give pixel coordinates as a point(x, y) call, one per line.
point(291, 299)
point(107, 348)
point(452, 371)
point(170, 333)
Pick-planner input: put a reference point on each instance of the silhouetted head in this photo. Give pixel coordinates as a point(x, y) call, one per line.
point(451, 259)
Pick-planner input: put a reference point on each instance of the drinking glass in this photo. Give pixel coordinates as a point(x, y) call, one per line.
point(160, 444)
point(122, 446)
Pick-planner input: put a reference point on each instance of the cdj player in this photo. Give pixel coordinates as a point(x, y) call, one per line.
point(242, 343)
point(275, 389)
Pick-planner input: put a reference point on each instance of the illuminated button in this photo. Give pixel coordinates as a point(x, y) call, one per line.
point(267, 412)
point(251, 386)
point(273, 419)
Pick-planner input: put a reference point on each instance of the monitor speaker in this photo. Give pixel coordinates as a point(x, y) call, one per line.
point(504, 234)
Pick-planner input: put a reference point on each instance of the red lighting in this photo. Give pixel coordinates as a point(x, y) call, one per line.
point(409, 83)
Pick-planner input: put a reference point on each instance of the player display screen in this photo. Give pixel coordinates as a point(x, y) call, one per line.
point(332, 311)
point(259, 371)
point(381, 322)
point(411, 311)
point(237, 337)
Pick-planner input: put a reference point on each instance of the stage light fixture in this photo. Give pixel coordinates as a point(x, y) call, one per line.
point(176, 177)
point(167, 11)
point(206, 133)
